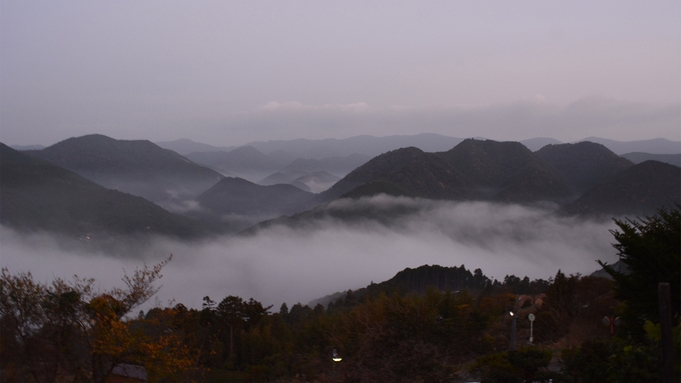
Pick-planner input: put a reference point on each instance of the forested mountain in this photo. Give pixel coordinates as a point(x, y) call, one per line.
point(186, 146)
point(654, 146)
point(137, 167)
point(241, 161)
point(472, 170)
point(638, 157)
point(237, 200)
point(597, 180)
point(509, 172)
point(314, 182)
point(407, 171)
point(506, 171)
point(584, 164)
point(638, 190)
point(334, 165)
point(365, 145)
point(40, 196)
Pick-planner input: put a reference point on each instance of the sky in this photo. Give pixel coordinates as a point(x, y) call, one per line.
point(228, 72)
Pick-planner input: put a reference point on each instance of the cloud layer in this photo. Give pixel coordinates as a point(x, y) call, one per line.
point(281, 264)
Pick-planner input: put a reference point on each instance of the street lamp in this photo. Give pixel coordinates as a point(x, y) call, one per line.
point(513, 326)
point(335, 356)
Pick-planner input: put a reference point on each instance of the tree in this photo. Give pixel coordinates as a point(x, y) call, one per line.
point(51, 331)
point(650, 248)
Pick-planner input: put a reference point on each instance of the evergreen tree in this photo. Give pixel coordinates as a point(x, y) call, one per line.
point(651, 250)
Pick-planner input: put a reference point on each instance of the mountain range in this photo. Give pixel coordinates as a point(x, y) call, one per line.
point(583, 178)
point(137, 167)
point(36, 195)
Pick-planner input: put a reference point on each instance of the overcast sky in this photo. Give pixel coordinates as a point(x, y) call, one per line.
point(227, 72)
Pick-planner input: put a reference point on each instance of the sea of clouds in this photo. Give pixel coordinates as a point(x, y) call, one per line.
point(300, 263)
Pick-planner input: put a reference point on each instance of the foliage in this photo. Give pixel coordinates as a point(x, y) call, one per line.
point(611, 360)
point(651, 250)
point(394, 336)
point(67, 329)
point(512, 366)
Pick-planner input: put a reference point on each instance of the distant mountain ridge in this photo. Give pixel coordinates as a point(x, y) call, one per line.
point(638, 190)
point(428, 142)
point(137, 167)
point(583, 164)
point(242, 203)
point(638, 157)
point(586, 178)
point(654, 146)
point(40, 196)
point(582, 178)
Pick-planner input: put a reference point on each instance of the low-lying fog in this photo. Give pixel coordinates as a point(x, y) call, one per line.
point(281, 264)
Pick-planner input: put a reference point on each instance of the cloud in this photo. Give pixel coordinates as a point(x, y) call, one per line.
point(299, 264)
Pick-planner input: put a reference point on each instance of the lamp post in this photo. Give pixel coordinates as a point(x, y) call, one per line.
point(335, 357)
point(513, 326)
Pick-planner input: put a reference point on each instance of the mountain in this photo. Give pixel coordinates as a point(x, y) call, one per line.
point(40, 196)
point(365, 145)
point(186, 146)
point(406, 171)
point(414, 281)
point(315, 182)
point(245, 161)
point(27, 147)
point(584, 164)
point(654, 146)
point(506, 171)
point(638, 190)
point(638, 157)
point(241, 202)
point(535, 144)
point(472, 170)
point(136, 167)
point(334, 165)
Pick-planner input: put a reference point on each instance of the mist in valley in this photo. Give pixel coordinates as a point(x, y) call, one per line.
point(302, 262)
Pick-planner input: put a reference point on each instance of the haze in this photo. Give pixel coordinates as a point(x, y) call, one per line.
point(227, 73)
point(282, 264)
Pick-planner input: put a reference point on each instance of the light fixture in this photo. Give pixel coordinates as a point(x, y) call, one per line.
point(335, 356)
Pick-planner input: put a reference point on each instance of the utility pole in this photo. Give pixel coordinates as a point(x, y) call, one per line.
point(664, 302)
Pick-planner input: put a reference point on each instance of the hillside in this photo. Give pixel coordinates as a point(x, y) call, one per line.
point(506, 171)
point(365, 145)
point(186, 146)
point(243, 161)
point(407, 171)
point(583, 165)
point(137, 167)
point(638, 190)
point(654, 146)
point(638, 157)
point(244, 203)
point(40, 196)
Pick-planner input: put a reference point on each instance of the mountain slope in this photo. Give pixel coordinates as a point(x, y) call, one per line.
point(638, 157)
point(406, 171)
point(136, 167)
point(236, 199)
point(506, 171)
point(584, 164)
point(365, 145)
point(654, 146)
point(638, 190)
point(186, 146)
point(39, 196)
